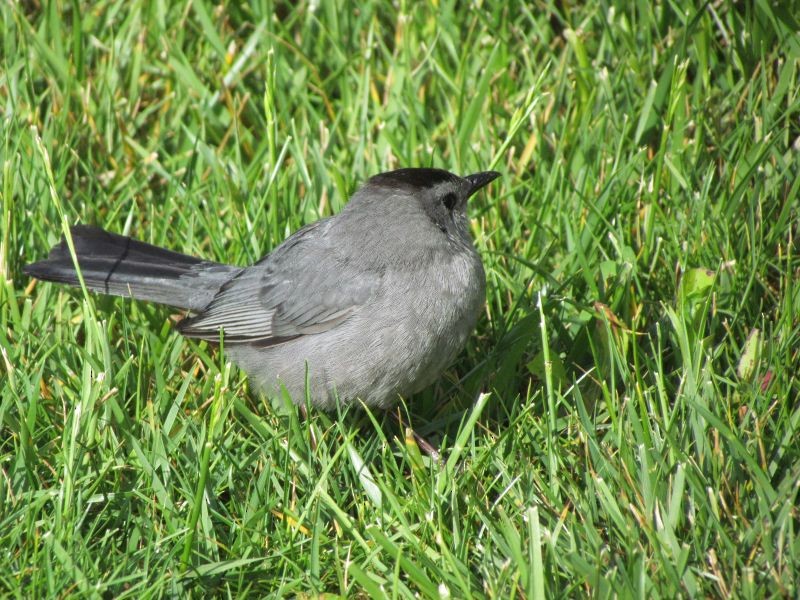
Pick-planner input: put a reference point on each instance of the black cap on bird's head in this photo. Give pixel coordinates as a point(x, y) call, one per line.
point(442, 195)
point(424, 178)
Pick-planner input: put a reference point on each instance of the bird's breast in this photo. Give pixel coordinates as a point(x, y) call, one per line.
point(429, 314)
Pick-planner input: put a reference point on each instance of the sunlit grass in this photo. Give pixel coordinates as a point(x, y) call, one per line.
point(623, 422)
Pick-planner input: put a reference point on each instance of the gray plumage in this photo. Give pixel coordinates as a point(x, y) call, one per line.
point(370, 304)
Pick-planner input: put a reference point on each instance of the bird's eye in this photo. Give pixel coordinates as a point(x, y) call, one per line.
point(449, 200)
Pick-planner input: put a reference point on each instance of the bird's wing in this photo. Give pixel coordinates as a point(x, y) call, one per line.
point(304, 287)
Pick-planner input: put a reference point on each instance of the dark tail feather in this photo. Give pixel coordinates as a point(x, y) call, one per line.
point(121, 266)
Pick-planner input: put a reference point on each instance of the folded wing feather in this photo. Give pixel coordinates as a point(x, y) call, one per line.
point(299, 289)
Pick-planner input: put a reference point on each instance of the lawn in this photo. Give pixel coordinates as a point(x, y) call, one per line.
point(624, 420)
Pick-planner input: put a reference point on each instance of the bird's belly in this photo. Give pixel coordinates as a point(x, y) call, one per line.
point(397, 344)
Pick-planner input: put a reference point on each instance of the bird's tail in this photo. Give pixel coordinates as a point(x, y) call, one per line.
point(121, 266)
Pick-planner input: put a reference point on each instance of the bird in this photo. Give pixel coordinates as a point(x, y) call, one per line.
point(369, 305)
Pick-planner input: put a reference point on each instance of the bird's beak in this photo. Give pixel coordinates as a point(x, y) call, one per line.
point(479, 180)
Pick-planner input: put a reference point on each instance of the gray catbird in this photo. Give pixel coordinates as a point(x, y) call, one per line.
point(370, 304)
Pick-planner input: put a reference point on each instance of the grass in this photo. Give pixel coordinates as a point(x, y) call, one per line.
point(624, 421)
